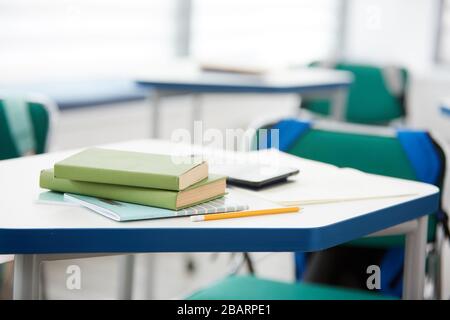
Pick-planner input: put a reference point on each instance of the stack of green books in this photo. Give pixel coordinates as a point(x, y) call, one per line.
point(164, 181)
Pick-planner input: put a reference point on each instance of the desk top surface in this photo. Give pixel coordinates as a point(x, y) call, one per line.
point(30, 227)
point(282, 81)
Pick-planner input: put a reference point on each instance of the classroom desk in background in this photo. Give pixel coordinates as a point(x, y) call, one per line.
point(71, 94)
point(306, 82)
point(38, 232)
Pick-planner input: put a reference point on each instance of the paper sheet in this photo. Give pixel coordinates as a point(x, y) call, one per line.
point(321, 183)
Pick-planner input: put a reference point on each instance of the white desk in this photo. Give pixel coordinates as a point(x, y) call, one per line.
point(307, 82)
point(38, 232)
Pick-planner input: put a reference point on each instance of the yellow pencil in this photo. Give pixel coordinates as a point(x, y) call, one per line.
point(240, 214)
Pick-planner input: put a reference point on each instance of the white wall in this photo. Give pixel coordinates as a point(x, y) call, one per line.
point(386, 31)
point(403, 32)
point(111, 123)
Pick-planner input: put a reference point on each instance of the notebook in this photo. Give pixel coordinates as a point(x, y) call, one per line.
point(52, 197)
point(132, 169)
point(123, 211)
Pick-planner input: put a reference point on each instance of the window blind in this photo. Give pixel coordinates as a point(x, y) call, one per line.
point(265, 31)
point(83, 37)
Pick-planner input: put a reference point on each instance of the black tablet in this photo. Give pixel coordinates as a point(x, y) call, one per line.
point(258, 176)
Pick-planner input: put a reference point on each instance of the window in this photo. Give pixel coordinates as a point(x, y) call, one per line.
point(83, 37)
point(43, 39)
point(443, 52)
point(265, 31)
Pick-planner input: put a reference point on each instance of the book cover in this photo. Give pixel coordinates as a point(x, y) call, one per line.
point(123, 211)
point(168, 199)
point(132, 169)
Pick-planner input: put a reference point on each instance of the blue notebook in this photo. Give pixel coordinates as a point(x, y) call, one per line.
point(54, 197)
point(124, 211)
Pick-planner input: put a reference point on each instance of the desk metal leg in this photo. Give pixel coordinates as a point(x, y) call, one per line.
point(300, 109)
point(27, 273)
point(155, 101)
point(415, 256)
point(26, 277)
point(338, 104)
point(149, 274)
point(126, 272)
point(196, 110)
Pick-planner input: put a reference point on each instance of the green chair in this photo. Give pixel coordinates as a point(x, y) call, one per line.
point(31, 123)
point(38, 117)
point(378, 151)
point(251, 288)
point(376, 96)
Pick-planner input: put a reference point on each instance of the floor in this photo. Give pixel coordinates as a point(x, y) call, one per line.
point(158, 276)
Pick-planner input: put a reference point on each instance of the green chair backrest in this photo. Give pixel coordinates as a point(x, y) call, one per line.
point(382, 155)
point(376, 95)
point(40, 119)
point(377, 154)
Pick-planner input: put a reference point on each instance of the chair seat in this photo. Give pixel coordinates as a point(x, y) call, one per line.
point(251, 288)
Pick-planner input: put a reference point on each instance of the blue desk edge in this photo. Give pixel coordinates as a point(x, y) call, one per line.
point(27, 241)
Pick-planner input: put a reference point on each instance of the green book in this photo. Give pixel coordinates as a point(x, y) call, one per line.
point(205, 190)
point(133, 169)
